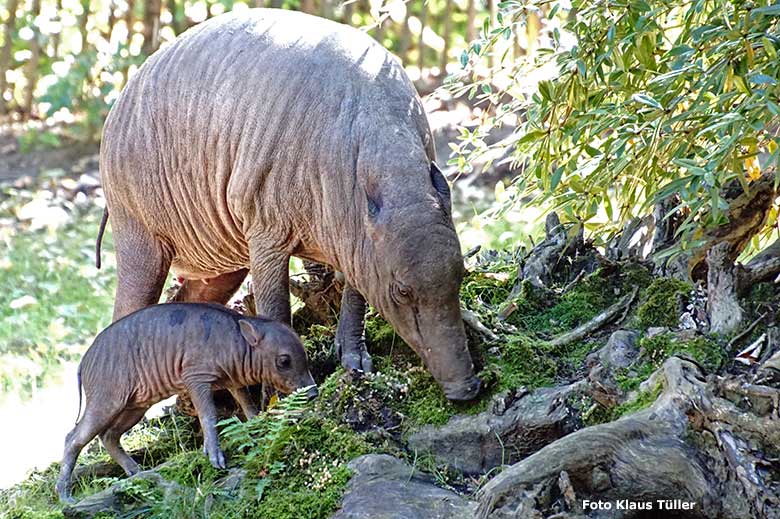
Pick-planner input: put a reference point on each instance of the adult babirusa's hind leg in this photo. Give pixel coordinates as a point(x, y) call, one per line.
point(350, 334)
point(111, 436)
point(94, 422)
point(143, 261)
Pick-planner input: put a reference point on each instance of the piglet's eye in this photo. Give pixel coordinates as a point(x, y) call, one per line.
point(283, 362)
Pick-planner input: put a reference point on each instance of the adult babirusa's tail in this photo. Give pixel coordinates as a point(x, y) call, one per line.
point(100, 236)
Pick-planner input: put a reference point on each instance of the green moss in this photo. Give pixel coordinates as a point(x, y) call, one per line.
point(189, 469)
point(655, 350)
point(763, 292)
point(660, 302)
point(486, 289)
point(598, 414)
point(315, 471)
point(635, 275)
point(644, 400)
point(319, 343)
point(525, 362)
point(704, 350)
point(543, 311)
point(425, 402)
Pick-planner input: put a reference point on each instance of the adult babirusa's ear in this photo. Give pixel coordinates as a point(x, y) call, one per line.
point(252, 335)
point(441, 186)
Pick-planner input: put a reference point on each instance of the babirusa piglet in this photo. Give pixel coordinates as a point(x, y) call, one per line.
point(163, 350)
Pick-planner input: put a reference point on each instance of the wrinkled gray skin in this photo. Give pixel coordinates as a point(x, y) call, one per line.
point(163, 350)
point(269, 134)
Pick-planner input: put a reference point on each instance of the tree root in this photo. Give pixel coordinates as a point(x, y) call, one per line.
point(320, 294)
point(691, 445)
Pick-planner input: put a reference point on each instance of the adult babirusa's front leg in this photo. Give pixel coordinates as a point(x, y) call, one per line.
point(350, 334)
point(270, 269)
point(203, 400)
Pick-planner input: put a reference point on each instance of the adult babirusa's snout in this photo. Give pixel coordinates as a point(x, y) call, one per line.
point(454, 371)
point(444, 349)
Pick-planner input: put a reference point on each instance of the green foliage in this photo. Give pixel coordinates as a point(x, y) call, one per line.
point(36, 139)
point(301, 459)
point(86, 54)
point(651, 99)
point(84, 91)
point(260, 440)
point(660, 305)
point(51, 291)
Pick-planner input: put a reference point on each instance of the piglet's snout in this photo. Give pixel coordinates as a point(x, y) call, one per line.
point(312, 393)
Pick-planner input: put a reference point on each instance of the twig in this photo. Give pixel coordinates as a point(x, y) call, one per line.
point(595, 323)
point(573, 282)
point(747, 331)
point(472, 252)
point(471, 319)
point(628, 306)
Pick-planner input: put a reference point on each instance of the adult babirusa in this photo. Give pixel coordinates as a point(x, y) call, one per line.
point(266, 134)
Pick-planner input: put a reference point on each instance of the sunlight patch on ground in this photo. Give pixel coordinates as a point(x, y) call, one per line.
point(34, 429)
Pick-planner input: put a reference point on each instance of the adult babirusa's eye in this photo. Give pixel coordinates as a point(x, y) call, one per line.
point(401, 293)
point(372, 203)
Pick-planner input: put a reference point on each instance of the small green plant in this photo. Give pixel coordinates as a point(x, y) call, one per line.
point(257, 442)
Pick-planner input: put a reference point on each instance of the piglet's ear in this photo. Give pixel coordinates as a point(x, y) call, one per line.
point(252, 335)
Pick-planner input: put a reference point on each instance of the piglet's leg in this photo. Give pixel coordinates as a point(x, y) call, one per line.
point(110, 438)
point(244, 399)
point(203, 400)
point(92, 423)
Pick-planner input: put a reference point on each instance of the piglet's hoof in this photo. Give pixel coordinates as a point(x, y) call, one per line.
point(63, 492)
point(217, 459)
